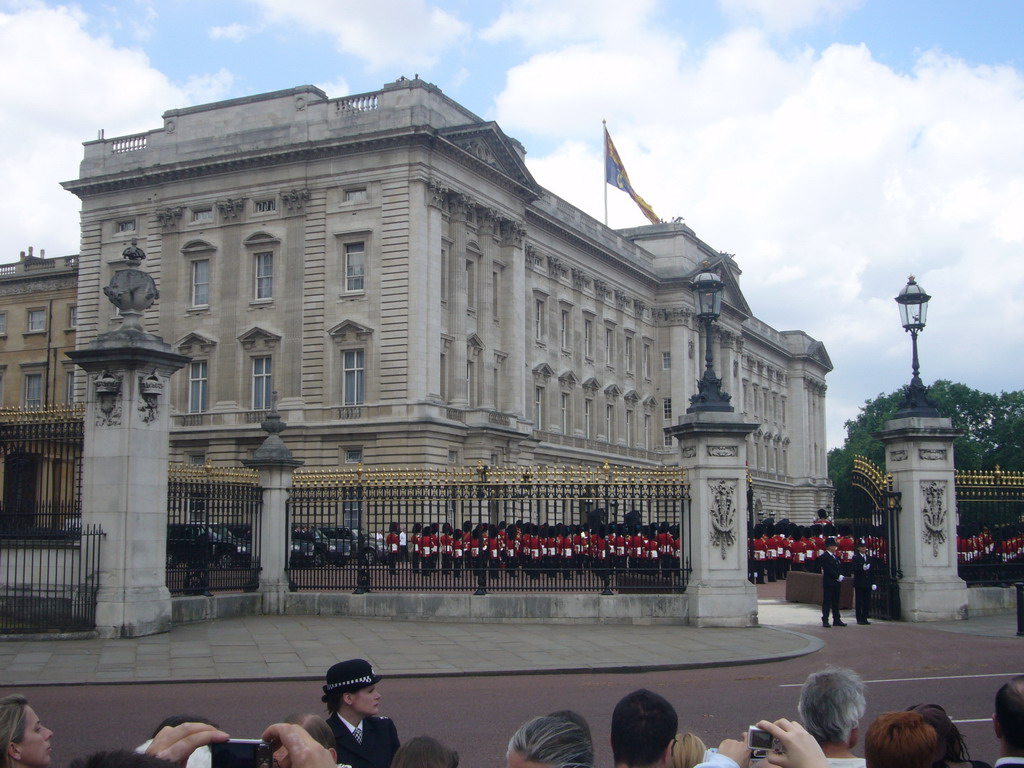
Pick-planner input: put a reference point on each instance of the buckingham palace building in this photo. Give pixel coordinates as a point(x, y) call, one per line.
point(387, 265)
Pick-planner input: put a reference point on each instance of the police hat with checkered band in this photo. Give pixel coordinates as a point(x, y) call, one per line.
point(349, 676)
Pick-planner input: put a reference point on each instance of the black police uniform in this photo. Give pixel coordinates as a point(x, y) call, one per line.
point(379, 744)
point(862, 581)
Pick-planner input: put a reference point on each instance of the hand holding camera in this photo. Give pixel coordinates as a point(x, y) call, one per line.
point(798, 747)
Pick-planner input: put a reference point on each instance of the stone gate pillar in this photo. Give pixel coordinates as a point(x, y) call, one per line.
point(919, 454)
point(713, 452)
point(276, 466)
point(124, 465)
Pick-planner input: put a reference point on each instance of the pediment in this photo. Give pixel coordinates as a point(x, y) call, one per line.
point(543, 370)
point(475, 342)
point(194, 342)
point(488, 144)
point(591, 384)
point(820, 355)
point(349, 330)
point(261, 238)
point(197, 246)
point(631, 396)
point(612, 391)
point(650, 402)
point(259, 338)
point(568, 378)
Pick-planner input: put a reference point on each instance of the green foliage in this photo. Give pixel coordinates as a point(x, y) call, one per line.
point(993, 433)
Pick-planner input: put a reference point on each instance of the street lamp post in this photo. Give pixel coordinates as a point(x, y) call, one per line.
point(708, 289)
point(913, 303)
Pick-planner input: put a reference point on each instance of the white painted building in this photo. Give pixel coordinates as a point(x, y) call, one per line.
point(388, 265)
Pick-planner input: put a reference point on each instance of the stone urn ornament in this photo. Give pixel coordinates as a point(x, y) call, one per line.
point(131, 290)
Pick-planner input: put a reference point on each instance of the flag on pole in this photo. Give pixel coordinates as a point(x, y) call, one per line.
point(615, 174)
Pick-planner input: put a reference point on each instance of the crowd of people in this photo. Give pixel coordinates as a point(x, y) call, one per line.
point(644, 733)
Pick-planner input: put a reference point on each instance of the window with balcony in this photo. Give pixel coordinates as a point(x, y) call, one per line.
point(353, 376)
point(198, 386)
point(262, 383)
point(263, 271)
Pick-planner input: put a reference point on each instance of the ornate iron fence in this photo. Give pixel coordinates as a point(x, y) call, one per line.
point(49, 584)
point(41, 472)
point(512, 529)
point(213, 529)
point(990, 531)
point(878, 524)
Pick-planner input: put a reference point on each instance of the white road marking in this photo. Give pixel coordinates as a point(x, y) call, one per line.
point(917, 679)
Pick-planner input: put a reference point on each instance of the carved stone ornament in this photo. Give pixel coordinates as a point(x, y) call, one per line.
point(689, 452)
point(295, 199)
point(723, 514)
point(722, 451)
point(131, 290)
point(900, 455)
point(932, 454)
point(150, 388)
point(168, 217)
point(934, 513)
point(231, 208)
point(579, 278)
point(511, 233)
point(108, 399)
point(437, 194)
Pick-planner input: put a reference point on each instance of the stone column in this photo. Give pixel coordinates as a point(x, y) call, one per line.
point(919, 454)
point(712, 448)
point(276, 465)
point(124, 468)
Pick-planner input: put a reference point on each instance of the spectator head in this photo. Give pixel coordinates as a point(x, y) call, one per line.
point(24, 740)
point(644, 725)
point(550, 742)
point(687, 751)
point(575, 717)
point(1009, 717)
point(949, 747)
point(899, 740)
point(832, 704)
point(346, 679)
point(318, 728)
point(425, 752)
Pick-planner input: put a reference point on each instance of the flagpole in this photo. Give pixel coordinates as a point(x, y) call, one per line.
point(604, 169)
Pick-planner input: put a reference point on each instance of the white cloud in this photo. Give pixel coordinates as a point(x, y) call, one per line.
point(236, 33)
point(787, 15)
point(830, 175)
point(59, 86)
point(404, 33)
point(541, 22)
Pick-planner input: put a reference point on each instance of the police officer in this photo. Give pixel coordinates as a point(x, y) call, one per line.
point(364, 738)
point(863, 582)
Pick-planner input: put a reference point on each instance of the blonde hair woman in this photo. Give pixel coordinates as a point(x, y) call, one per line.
point(688, 751)
point(25, 741)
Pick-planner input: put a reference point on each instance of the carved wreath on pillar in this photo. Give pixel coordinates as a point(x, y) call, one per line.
point(934, 513)
point(723, 514)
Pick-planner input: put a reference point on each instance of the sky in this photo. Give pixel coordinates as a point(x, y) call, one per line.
point(834, 146)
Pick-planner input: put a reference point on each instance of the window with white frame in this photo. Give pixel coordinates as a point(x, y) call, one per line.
point(262, 383)
point(202, 215)
point(609, 423)
point(628, 352)
point(353, 455)
point(3, 323)
point(32, 395)
point(565, 329)
point(609, 345)
point(196, 459)
point(353, 367)
point(355, 267)
point(356, 195)
point(566, 413)
point(69, 387)
point(443, 371)
point(201, 283)
point(539, 308)
point(36, 320)
point(666, 405)
point(198, 386)
point(645, 364)
point(588, 337)
point(73, 316)
point(647, 432)
point(268, 205)
point(666, 361)
point(629, 428)
point(263, 271)
point(471, 383)
point(588, 418)
point(124, 226)
point(538, 407)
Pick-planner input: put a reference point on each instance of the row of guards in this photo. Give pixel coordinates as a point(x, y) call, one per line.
point(533, 548)
point(999, 544)
point(777, 548)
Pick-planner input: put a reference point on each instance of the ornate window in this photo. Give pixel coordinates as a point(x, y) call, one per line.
point(262, 383)
point(355, 267)
point(36, 320)
point(263, 273)
point(198, 386)
point(33, 391)
point(201, 283)
point(353, 366)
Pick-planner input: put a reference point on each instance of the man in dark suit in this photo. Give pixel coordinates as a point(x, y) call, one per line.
point(831, 578)
point(364, 739)
point(863, 581)
point(1009, 723)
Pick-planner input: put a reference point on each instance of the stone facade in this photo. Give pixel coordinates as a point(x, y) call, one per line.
point(38, 310)
point(388, 265)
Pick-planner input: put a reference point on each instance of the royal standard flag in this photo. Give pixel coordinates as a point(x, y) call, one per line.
point(615, 174)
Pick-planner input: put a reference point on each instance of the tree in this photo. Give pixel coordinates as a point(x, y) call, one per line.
point(993, 433)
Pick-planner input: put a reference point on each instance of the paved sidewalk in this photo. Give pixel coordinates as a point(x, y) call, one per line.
point(302, 647)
